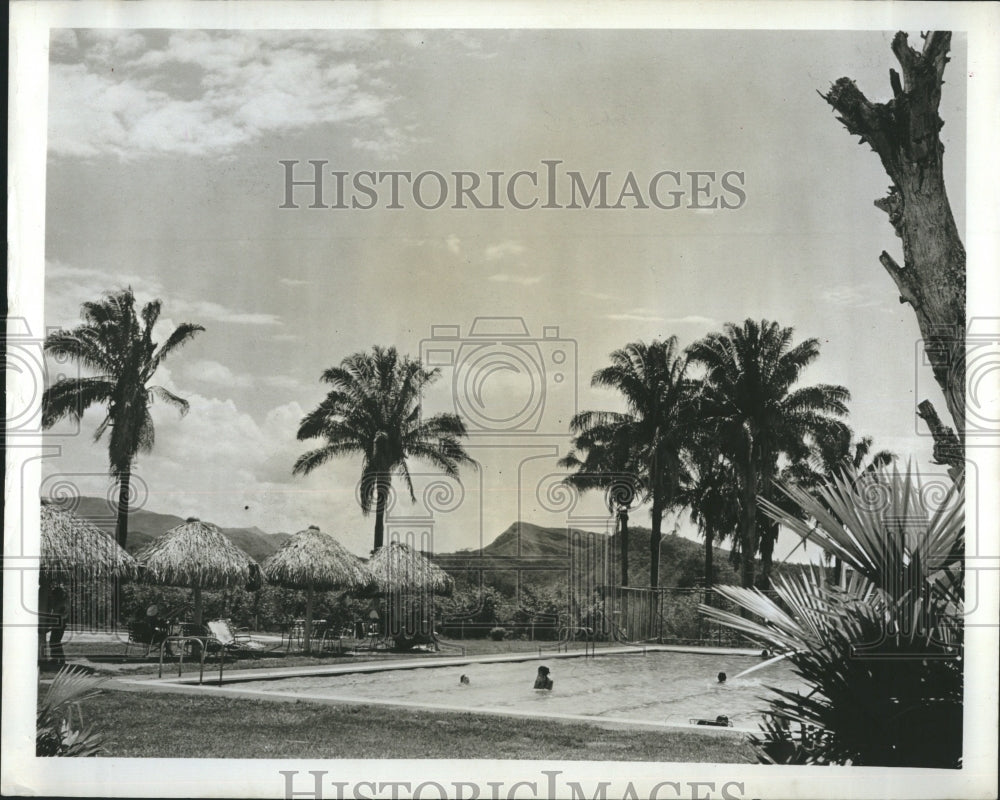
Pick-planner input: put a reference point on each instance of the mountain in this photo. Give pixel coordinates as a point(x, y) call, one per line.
point(542, 555)
point(144, 526)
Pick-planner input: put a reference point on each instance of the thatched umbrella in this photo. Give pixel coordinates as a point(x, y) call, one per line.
point(409, 581)
point(195, 554)
point(314, 560)
point(399, 568)
point(73, 544)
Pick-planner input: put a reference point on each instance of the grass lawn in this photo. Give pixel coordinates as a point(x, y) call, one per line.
point(147, 724)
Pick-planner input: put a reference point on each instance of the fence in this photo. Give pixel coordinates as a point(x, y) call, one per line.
point(668, 615)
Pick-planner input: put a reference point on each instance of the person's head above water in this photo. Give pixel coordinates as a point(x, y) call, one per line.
point(464, 679)
point(542, 679)
point(722, 677)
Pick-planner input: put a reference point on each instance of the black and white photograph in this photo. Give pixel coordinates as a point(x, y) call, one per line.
point(553, 401)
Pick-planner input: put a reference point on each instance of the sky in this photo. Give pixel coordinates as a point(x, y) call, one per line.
point(164, 174)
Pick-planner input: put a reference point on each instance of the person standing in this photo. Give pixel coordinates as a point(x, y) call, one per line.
point(58, 619)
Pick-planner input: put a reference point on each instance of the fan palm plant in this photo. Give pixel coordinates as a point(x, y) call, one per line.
point(55, 733)
point(373, 410)
point(883, 654)
point(749, 400)
point(118, 346)
point(647, 439)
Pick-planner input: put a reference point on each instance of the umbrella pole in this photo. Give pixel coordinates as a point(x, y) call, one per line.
point(309, 616)
point(197, 604)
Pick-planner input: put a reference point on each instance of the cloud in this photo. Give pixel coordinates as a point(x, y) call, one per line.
point(216, 374)
point(853, 296)
point(67, 286)
point(597, 295)
point(649, 315)
point(633, 317)
point(520, 280)
point(495, 252)
point(454, 244)
point(693, 319)
point(199, 93)
point(294, 282)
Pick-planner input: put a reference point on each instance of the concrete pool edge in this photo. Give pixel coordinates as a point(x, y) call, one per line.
point(188, 685)
point(248, 675)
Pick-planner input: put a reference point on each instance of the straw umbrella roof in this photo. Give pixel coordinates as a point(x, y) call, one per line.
point(195, 554)
point(313, 558)
point(69, 543)
point(397, 567)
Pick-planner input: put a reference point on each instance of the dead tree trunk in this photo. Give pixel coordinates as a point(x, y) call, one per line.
point(904, 134)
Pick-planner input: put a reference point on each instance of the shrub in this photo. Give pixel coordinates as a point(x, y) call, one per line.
point(498, 634)
point(55, 733)
point(883, 655)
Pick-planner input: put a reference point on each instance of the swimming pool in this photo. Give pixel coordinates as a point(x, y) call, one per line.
point(657, 688)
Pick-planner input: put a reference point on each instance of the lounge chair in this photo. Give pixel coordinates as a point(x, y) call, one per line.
point(238, 642)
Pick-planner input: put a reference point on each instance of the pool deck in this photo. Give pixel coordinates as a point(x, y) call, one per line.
point(189, 685)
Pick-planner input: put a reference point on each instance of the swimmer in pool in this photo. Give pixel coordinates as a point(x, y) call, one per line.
point(722, 677)
point(542, 680)
point(464, 680)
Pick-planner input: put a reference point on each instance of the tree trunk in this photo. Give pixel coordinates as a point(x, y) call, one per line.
point(307, 632)
point(197, 604)
point(768, 538)
point(121, 526)
point(708, 566)
point(748, 545)
point(623, 532)
point(904, 134)
point(654, 545)
point(121, 533)
point(381, 500)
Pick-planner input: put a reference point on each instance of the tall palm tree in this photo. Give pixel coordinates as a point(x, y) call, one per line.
point(118, 346)
point(373, 410)
point(749, 399)
point(607, 463)
point(650, 435)
point(708, 490)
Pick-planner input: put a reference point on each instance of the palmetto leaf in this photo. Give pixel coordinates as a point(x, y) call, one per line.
point(882, 654)
point(55, 733)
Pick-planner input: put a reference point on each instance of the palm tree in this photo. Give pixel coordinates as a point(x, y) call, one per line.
point(749, 400)
point(648, 438)
point(119, 347)
point(708, 490)
point(373, 410)
point(608, 464)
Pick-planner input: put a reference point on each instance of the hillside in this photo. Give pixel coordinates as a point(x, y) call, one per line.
point(144, 526)
point(542, 555)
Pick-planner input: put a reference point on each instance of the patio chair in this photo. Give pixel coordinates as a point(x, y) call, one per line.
point(238, 641)
point(144, 636)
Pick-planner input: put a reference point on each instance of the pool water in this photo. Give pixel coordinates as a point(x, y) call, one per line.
point(665, 688)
